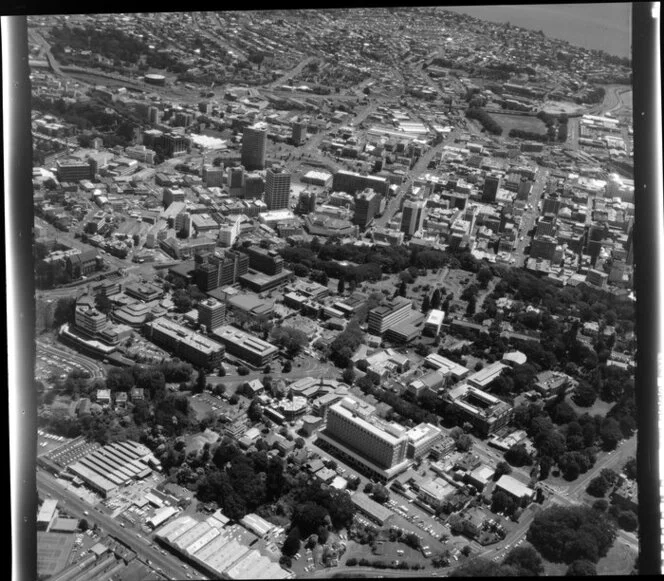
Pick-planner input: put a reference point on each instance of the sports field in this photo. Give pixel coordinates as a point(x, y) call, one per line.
point(523, 122)
point(53, 551)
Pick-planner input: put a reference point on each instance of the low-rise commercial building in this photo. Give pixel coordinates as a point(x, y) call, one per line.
point(185, 343)
point(484, 411)
point(421, 439)
point(245, 346)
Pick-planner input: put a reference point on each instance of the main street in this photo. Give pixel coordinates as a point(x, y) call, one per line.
point(419, 168)
point(530, 215)
point(145, 549)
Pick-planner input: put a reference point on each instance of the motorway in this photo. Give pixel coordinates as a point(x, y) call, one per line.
point(144, 548)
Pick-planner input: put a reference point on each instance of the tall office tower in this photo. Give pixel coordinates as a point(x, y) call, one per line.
point(490, 189)
point(367, 204)
point(551, 205)
point(229, 230)
point(523, 189)
point(213, 176)
point(277, 188)
point(235, 177)
point(299, 133)
point(266, 261)
point(154, 115)
point(211, 313)
point(254, 186)
point(412, 217)
point(353, 430)
point(546, 225)
point(385, 316)
point(183, 224)
point(214, 271)
point(171, 195)
point(254, 146)
point(307, 202)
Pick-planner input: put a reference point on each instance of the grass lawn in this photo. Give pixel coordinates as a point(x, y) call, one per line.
point(599, 407)
point(523, 122)
point(618, 561)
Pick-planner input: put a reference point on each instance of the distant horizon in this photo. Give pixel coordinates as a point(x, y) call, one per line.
point(598, 26)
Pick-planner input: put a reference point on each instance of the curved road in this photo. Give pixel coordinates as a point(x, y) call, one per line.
point(88, 364)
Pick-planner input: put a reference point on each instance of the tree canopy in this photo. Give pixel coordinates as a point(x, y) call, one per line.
point(565, 534)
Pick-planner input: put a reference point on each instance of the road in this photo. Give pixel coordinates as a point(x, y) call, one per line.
point(292, 73)
point(371, 572)
point(569, 496)
point(46, 47)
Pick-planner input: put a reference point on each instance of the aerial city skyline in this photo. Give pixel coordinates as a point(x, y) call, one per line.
point(334, 291)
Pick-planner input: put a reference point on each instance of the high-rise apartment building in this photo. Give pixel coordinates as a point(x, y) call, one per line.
point(379, 448)
point(277, 188)
point(211, 313)
point(412, 217)
point(254, 147)
point(367, 204)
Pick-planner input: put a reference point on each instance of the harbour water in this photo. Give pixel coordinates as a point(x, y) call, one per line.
point(605, 26)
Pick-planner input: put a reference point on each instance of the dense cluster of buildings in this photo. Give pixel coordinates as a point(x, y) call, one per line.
point(211, 191)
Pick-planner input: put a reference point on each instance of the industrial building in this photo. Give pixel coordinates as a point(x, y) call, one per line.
point(107, 469)
point(220, 550)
